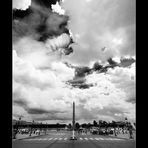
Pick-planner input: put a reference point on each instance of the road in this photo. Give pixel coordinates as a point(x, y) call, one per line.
point(62, 140)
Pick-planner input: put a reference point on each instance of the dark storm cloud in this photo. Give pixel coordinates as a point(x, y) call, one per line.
point(79, 83)
point(79, 80)
point(36, 111)
point(68, 50)
point(21, 102)
point(38, 22)
point(54, 116)
point(45, 3)
point(112, 62)
point(131, 100)
point(42, 111)
point(19, 14)
point(125, 62)
point(97, 66)
point(103, 69)
point(82, 71)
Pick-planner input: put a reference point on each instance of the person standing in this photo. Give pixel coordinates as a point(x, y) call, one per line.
point(131, 133)
point(14, 133)
point(115, 131)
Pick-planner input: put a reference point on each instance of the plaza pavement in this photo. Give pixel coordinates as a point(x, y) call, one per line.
point(125, 136)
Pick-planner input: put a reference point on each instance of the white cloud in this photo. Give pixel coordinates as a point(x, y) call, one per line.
point(37, 53)
point(116, 59)
point(57, 8)
point(88, 0)
point(24, 72)
point(39, 88)
point(124, 78)
point(21, 4)
point(62, 71)
point(119, 115)
point(45, 89)
point(111, 90)
point(18, 111)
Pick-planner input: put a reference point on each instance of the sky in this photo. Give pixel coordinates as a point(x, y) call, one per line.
point(74, 50)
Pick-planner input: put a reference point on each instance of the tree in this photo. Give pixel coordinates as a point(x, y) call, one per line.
point(89, 125)
point(95, 123)
point(77, 125)
point(84, 125)
point(114, 124)
point(100, 123)
point(69, 126)
point(104, 123)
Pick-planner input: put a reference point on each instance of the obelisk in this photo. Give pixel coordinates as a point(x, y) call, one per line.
point(73, 123)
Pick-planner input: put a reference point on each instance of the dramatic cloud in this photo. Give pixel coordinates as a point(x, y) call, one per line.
point(38, 22)
point(99, 24)
point(50, 72)
point(81, 72)
point(37, 90)
point(106, 98)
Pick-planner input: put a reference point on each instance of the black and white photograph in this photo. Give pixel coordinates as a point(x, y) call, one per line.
point(73, 74)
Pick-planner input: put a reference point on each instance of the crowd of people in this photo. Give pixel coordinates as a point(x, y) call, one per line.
point(27, 131)
point(108, 131)
point(99, 130)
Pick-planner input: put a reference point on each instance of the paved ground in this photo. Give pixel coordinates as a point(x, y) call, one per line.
point(61, 140)
point(126, 136)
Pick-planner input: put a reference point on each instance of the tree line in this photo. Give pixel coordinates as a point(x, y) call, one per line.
point(99, 124)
